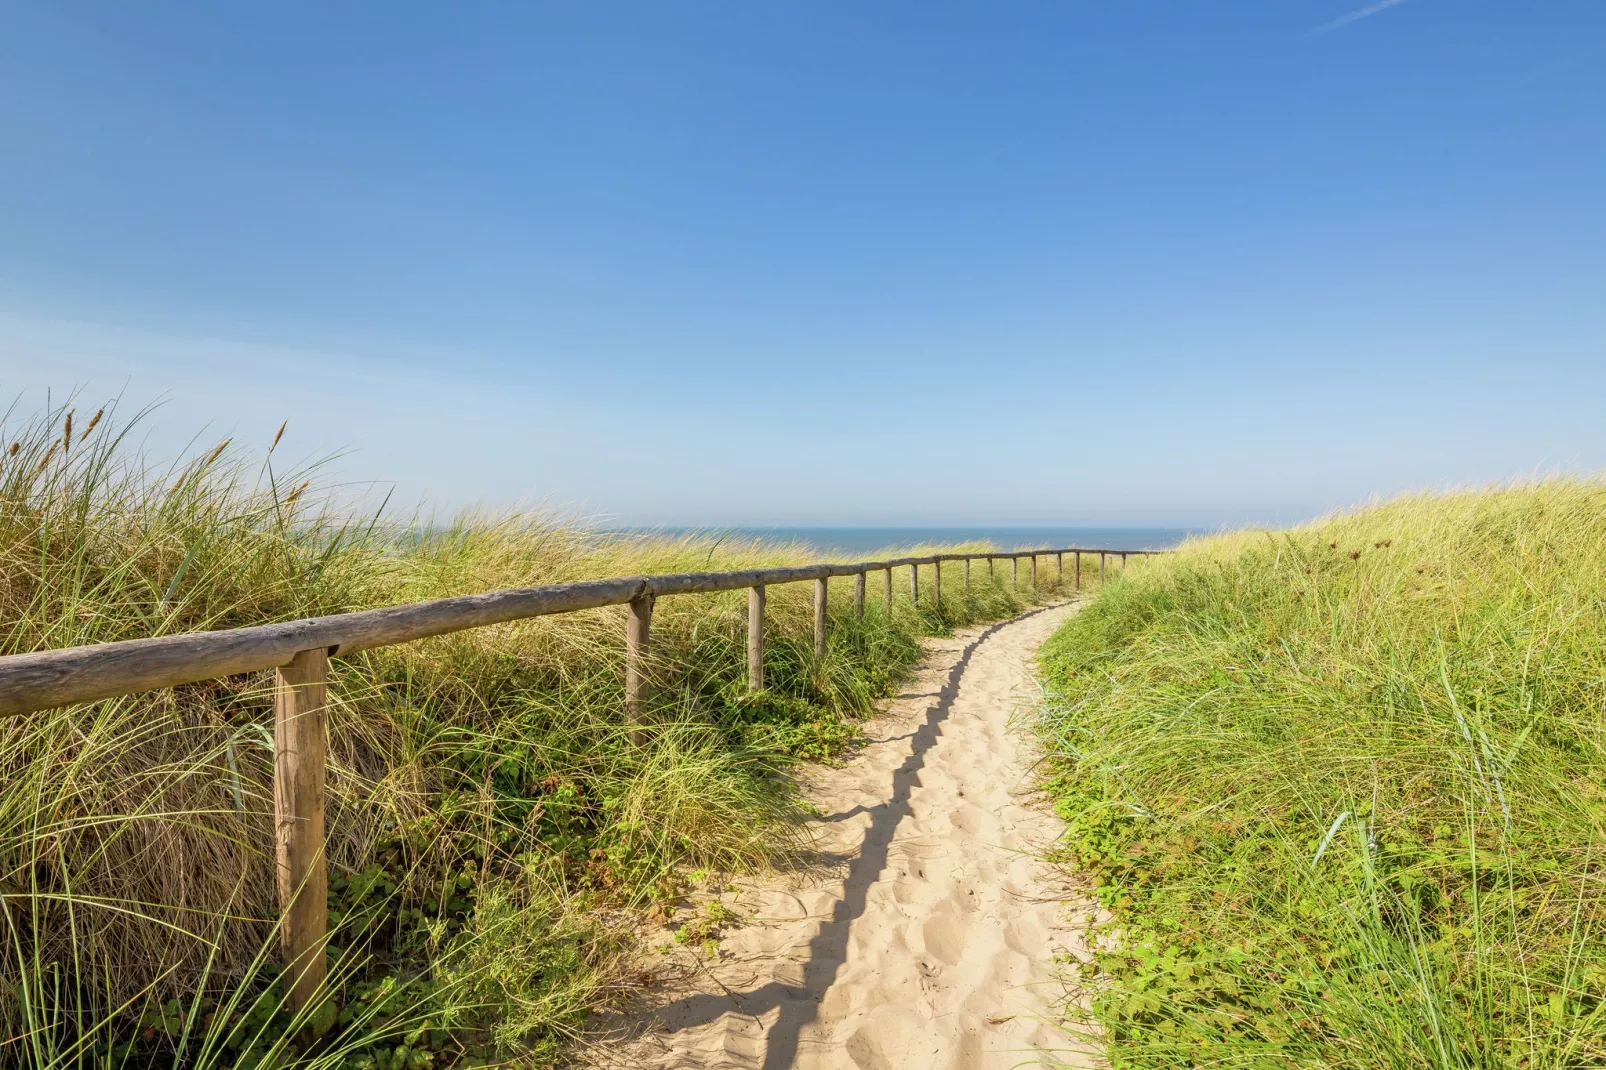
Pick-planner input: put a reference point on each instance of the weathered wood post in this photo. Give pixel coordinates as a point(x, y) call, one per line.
point(1014, 572)
point(1076, 565)
point(1101, 566)
point(1034, 572)
point(1123, 562)
point(914, 584)
point(755, 638)
point(886, 590)
point(989, 567)
point(638, 627)
point(1059, 568)
point(858, 595)
point(936, 583)
point(819, 618)
point(967, 575)
point(301, 691)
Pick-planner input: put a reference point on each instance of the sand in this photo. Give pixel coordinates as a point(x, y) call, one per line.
point(931, 934)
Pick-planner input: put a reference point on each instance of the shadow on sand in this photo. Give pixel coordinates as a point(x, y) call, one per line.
point(828, 949)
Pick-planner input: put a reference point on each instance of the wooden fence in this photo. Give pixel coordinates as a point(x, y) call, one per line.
point(299, 652)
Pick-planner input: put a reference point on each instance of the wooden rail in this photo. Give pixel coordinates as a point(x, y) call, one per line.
point(299, 652)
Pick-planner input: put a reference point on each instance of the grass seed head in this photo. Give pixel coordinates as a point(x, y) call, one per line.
point(278, 435)
point(93, 420)
point(45, 460)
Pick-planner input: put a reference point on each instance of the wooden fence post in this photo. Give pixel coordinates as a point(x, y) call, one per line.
point(886, 592)
point(755, 638)
point(1076, 564)
point(936, 584)
point(1123, 562)
point(1014, 572)
point(638, 627)
point(914, 584)
point(967, 575)
point(989, 567)
point(301, 691)
point(819, 618)
point(1101, 567)
point(1034, 572)
point(1059, 568)
point(858, 595)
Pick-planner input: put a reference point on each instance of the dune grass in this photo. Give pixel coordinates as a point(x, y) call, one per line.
point(493, 831)
point(1343, 788)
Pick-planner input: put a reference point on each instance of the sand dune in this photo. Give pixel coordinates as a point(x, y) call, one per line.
point(928, 935)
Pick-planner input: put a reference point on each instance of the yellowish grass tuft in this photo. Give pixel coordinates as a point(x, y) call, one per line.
point(471, 776)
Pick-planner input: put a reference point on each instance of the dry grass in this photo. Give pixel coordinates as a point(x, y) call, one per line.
point(486, 808)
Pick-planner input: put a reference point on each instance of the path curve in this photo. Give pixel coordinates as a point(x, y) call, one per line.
point(929, 935)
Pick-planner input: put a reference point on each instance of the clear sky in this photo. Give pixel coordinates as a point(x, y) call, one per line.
point(799, 262)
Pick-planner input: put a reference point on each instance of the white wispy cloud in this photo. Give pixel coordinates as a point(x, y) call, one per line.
point(1356, 16)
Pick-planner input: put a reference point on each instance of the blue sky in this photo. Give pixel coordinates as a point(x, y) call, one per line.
point(790, 263)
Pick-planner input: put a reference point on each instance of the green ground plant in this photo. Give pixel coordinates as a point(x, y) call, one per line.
point(492, 827)
point(1343, 789)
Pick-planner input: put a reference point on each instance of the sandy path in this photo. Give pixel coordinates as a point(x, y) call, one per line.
point(928, 936)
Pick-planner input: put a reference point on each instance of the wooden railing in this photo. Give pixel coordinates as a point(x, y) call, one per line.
point(299, 652)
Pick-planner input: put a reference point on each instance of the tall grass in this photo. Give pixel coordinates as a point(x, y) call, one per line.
point(1343, 788)
point(491, 826)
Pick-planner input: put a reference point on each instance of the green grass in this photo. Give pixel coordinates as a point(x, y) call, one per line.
point(493, 830)
point(1343, 789)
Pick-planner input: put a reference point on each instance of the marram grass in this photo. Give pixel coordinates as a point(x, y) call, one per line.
point(1343, 788)
point(492, 829)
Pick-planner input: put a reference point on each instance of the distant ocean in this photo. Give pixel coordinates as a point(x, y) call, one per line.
point(852, 541)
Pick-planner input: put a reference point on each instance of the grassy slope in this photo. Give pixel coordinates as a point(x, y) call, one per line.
point(1344, 788)
point(488, 814)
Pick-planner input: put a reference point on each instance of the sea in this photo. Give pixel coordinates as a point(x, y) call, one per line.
point(854, 541)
